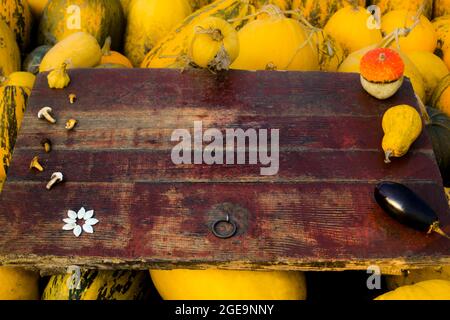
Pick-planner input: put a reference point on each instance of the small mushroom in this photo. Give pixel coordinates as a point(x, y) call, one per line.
point(47, 145)
point(70, 124)
point(56, 178)
point(36, 165)
point(72, 98)
point(45, 113)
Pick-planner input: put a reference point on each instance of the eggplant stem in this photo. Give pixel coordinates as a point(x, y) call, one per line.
point(436, 228)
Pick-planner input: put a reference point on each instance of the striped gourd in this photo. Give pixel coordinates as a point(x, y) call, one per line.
point(171, 52)
point(283, 4)
point(37, 7)
point(410, 5)
point(17, 15)
point(197, 4)
point(99, 285)
point(441, 8)
point(318, 12)
point(100, 18)
point(9, 51)
point(125, 6)
point(149, 21)
point(442, 27)
point(13, 101)
point(441, 95)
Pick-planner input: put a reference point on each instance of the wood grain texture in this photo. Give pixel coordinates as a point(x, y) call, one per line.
point(318, 213)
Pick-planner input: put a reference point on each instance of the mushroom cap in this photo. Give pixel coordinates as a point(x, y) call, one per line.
point(44, 110)
point(382, 65)
point(58, 175)
point(34, 161)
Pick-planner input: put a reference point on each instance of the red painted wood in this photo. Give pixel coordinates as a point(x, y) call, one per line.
point(317, 213)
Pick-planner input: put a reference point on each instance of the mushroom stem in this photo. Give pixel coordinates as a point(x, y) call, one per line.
point(56, 178)
point(47, 145)
point(72, 98)
point(49, 118)
point(45, 113)
point(36, 165)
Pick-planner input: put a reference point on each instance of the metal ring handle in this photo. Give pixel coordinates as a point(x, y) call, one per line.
point(224, 235)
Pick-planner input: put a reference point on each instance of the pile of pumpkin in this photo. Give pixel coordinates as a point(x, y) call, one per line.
point(298, 35)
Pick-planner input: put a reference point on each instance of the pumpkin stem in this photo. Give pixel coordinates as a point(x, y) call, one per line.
point(215, 34)
point(106, 50)
point(221, 61)
point(272, 10)
point(308, 41)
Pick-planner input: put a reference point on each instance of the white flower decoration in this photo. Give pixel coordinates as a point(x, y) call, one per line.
point(71, 223)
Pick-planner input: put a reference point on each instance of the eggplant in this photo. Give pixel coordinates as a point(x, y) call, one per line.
point(407, 207)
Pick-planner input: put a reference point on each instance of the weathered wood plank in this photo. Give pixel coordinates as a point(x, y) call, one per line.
point(147, 130)
point(287, 226)
point(236, 92)
point(301, 165)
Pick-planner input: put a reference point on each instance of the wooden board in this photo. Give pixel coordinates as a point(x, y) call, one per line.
point(317, 213)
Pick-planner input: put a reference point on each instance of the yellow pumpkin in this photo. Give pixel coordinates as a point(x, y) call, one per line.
point(17, 15)
point(431, 68)
point(318, 12)
point(353, 61)
point(441, 8)
point(149, 21)
point(79, 50)
point(9, 51)
point(18, 284)
point(410, 5)
point(214, 45)
point(172, 51)
point(113, 57)
point(414, 276)
point(442, 27)
point(229, 285)
point(275, 42)
point(421, 38)
point(37, 7)
point(425, 290)
point(354, 19)
point(441, 96)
